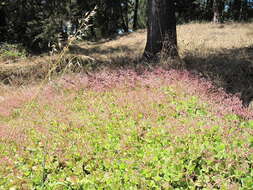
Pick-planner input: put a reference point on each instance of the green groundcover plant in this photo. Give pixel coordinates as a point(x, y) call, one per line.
point(122, 130)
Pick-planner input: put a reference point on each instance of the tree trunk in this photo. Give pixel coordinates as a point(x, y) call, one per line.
point(3, 24)
point(162, 36)
point(92, 28)
point(217, 11)
point(2, 18)
point(236, 9)
point(244, 10)
point(124, 15)
point(135, 25)
point(209, 10)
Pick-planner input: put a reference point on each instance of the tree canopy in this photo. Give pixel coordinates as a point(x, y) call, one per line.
point(36, 23)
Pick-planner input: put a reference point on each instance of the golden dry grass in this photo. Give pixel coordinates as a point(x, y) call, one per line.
point(206, 37)
point(201, 38)
point(221, 53)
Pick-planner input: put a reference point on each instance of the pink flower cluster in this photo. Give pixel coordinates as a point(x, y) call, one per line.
point(222, 102)
point(129, 78)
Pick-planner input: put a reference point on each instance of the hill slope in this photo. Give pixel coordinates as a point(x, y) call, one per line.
point(122, 129)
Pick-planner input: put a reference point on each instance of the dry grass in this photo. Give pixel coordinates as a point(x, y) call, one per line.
point(202, 39)
point(128, 45)
point(206, 37)
point(195, 38)
point(221, 53)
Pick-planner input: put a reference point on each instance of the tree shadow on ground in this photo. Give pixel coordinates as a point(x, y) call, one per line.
point(77, 59)
point(108, 57)
point(230, 69)
point(75, 49)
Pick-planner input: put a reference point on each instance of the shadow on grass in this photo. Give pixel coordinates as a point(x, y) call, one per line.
point(78, 59)
point(111, 57)
point(94, 56)
point(75, 49)
point(230, 69)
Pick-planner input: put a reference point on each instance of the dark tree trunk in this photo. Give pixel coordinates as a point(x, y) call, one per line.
point(217, 11)
point(2, 18)
point(244, 10)
point(162, 35)
point(3, 25)
point(209, 10)
point(136, 8)
point(124, 15)
point(236, 9)
point(92, 28)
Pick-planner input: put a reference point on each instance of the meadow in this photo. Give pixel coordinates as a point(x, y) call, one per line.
point(124, 125)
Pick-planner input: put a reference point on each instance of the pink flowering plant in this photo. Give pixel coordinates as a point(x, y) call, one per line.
point(161, 129)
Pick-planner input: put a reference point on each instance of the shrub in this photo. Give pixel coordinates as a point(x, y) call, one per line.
point(12, 51)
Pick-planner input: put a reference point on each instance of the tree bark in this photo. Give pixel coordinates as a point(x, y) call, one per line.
point(124, 15)
point(217, 11)
point(2, 18)
point(209, 10)
point(244, 10)
point(3, 24)
point(162, 35)
point(136, 8)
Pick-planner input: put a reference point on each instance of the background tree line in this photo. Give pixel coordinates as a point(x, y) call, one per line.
point(36, 23)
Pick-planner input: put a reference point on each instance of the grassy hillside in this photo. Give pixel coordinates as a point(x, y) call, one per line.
point(126, 129)
point(221, 53)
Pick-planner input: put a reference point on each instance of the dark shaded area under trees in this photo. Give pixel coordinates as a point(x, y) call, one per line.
point(36, 23)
